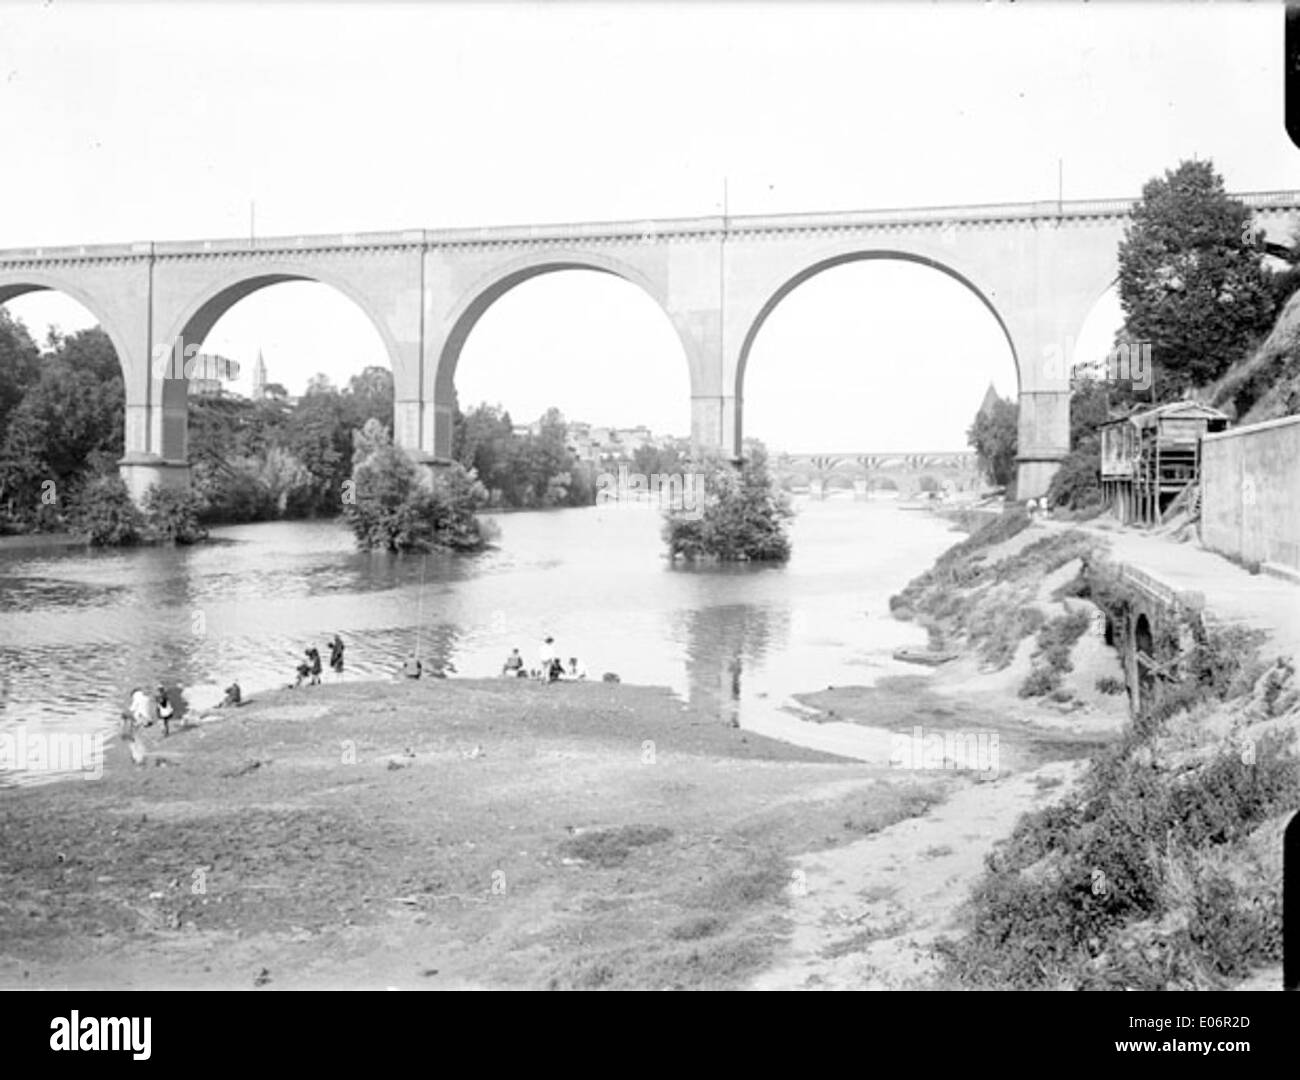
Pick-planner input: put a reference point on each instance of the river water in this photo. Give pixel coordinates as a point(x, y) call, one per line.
point(79, 628)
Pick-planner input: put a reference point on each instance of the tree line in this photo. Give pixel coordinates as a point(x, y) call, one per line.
point(61, 437)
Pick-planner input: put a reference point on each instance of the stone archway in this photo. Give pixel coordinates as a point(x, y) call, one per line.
point(851, 255)
point(479, 298)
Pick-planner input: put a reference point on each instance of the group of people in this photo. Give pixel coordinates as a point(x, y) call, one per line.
point(550, 668)
point(310, 668)
point(147, 709)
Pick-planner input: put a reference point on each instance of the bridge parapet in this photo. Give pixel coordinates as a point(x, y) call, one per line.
point(644, 231)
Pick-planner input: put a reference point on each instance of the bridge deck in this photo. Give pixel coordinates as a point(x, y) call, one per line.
point(644, 230)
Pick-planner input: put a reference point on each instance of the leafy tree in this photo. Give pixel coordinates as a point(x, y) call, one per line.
point(482, 441)
point(743, 517)
point(993, 436)
point(370, 396)
point(390, 509)
point(1077, 483)
point(1191, 280)
point(19, 364)
point(318, 435)
point(172, 515)
point(70, 416)
point(664, 460)
point(103, 512)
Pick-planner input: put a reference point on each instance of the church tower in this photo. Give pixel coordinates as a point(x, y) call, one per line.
point(259, 378)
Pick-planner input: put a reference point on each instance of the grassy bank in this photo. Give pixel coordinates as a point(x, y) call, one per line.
point(1161, 867)
point(442, 833)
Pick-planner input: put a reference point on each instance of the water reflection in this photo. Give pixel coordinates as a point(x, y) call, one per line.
point(79, 628)
point(721, 641)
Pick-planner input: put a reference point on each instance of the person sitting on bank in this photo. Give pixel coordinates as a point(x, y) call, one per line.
point(412, 668)
point(576, 670)
point(514, 665)
point(234, 697)
point(303, 671)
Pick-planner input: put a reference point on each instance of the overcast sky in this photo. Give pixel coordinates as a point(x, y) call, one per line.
point(163, 122)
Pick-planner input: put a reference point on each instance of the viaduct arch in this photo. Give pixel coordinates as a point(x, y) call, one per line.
point(1038, 267)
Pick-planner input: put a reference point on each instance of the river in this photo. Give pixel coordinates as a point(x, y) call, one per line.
point(79, 627)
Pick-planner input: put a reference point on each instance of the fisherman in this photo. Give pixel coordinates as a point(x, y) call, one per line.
point(336, 656)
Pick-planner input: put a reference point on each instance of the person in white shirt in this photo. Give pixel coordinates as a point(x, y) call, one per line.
point(576, 670)
point(142, 707)
point(545, 657)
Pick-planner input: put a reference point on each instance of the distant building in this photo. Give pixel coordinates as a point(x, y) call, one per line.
point(209, 374)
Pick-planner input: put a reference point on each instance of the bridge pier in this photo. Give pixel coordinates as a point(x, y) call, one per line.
point(142, 471)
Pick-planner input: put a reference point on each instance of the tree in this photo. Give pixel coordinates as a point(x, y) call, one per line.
point(993, 435)
point(370, 396)
point(743, 516)
point(19, 365)
point(317, 435)
point(172, 515)
point(68, 422)
point(1077, 483)
point(482, 441)
point(388, 508)
point(102, 511)
point(1191, 279)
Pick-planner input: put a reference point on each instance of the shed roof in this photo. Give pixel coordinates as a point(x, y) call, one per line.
point(1182, 410)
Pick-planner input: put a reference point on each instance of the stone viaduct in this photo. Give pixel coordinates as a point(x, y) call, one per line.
point(1038, 267)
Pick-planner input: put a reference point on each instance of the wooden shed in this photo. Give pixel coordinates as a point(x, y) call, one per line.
point(1149, 459)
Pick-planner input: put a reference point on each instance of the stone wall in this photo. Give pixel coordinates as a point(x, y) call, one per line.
point(1250, 492)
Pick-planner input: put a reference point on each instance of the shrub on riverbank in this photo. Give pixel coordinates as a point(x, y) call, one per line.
point(743, 518)
point(172, 515)
point(988, 604)
point(389, 507)
point(1163, 870)
point(102, 512)
point(1056, 640)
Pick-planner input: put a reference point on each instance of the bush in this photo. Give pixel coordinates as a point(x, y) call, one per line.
point(743, 517)
point(104, 513)
point(172, 515)
point(1077, 483)
point(1063, 893)
point(388, 508)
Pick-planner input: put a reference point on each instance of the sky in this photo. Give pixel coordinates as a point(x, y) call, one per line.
point(166, 121)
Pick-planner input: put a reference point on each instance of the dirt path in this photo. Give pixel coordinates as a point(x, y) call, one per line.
point(865, 915)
